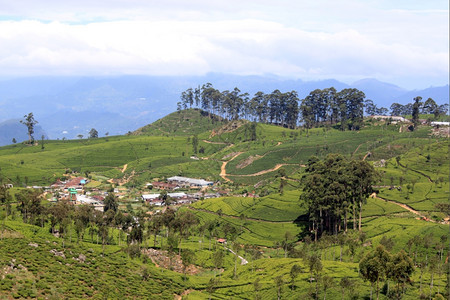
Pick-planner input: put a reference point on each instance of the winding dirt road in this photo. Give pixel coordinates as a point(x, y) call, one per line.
point(277, 166)
point(405, 206)
point(223, 170)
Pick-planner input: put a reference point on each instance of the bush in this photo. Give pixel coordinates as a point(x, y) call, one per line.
point(134, 250)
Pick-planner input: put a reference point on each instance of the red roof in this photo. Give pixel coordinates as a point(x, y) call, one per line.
point(74, 182)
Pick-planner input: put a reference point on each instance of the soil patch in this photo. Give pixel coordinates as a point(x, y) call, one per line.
point(248, 161)
point(174, 262)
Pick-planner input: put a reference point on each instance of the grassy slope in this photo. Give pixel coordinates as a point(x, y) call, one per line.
point(264, 221)
point(105, 155)
point(149, 156)
point(44, 275)
point(182, 123)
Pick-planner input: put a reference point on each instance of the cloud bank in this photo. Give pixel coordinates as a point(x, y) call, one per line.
point(406, 46)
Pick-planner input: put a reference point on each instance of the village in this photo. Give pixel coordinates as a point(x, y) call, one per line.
point(176, 190)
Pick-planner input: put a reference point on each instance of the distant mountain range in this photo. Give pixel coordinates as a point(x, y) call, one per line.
point(69, 106)
point(13, 129)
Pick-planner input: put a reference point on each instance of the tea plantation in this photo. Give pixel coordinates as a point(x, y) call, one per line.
point(137, 251)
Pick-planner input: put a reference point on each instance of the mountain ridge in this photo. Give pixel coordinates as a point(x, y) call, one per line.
point(124, 103)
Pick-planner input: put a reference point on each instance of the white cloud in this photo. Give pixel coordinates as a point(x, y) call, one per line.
point(348, 39)
point(163, 48)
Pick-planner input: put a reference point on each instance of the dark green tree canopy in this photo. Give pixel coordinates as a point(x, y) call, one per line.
point(110, 202)
point(334, 187)
point(93, 133)
point(29, 121)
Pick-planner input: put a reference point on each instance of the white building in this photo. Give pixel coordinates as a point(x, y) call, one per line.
point(440, 123)
point(87, 200)
point(186, 181)
point(393, 118)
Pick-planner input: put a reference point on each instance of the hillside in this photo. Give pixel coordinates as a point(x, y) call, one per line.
point(138, 251)
point(163, 149)
point(13, 129)
point(82, 103)
point(182, 123)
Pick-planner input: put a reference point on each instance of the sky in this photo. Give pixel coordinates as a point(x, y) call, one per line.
point(405, 42)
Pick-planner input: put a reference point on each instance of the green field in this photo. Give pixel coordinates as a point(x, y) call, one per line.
point(270, 230)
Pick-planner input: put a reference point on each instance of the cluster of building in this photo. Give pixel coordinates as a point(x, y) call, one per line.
point(177, 182)
point(73, 190)
point(176, 198)
point(397, 119)
point(174, 183)
point(76, 183)
point(189, 182)
point(393, 119)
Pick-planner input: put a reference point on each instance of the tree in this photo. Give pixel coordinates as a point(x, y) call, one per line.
point(430, 107)
point(443, 109)
point(362, 176)
point(110, 202)
point(388, 243)
point(235, 247)
point(295, 270)
point(434, 266)
point(83, 214)
point(331, 187)
point(212, 286)
point(172, 245)
point(80, 136)
point(29, 121)
point(155, 226)
point(279, 284)
point(396, 109)
point(93, 134)
point(187, 257)
point(355, 105)
point(136, 234)
point(345, 284)
point(29, 204)
point(415, 111)
point(183, 222)
point(315, 267)
point(218, 257)
point(374, 266)
point(60, 212)
point(253, 134)
point(341, 239)
point(371, 108)
point(5, 200)
point(257, 287)
point(327, 282)
point(286, 243)
point(400, 269)
point(195, 144)
point(14, 140)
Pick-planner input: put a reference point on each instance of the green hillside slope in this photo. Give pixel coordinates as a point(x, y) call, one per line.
point(263, 219)
point(185, 123)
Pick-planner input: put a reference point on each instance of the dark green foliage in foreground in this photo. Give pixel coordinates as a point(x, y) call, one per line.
point(75, 271)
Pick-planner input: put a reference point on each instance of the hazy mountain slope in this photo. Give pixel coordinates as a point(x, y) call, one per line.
point(124, 103)
point(14, 129)
point(381, 93)
point(440, 94)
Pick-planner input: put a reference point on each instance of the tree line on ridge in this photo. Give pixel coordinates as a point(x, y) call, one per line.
point(344, 108)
